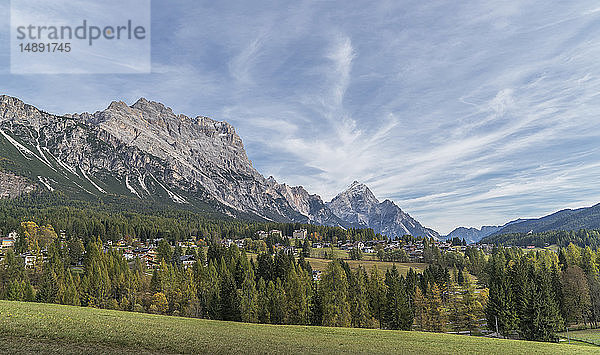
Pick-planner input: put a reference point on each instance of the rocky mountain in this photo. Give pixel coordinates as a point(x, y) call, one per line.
point(147, 152)
point(12, 185)
point(359, 206)
point(472, 235)
point(310, 205)
point(142, 151)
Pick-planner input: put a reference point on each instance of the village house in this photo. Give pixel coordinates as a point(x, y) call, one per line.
point(7, 242)
point(29, 259)
point(187, 260)
point(129, 256)
point(290, 251)
point(300, 234)
point(359, 245)
point(276, 233)
point(346, 246)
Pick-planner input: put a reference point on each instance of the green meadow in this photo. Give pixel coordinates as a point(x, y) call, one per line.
point(49, 328)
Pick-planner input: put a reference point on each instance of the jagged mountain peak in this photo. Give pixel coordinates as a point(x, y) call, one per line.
point(12, 103)
point(152, 107)
point(143, 101)
point(472, 234)
point(146, 151)
point(117, 105)
point(359, 196)
point(358, 205)
point(357, 186)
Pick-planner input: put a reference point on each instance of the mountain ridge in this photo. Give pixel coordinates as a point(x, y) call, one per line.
point(358, 204)
point(147, 151)
point(471, 234)
point(565, 219)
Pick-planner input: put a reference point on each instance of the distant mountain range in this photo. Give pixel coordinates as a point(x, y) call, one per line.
point(568, 219)
point(472, 235)
point(146, 152)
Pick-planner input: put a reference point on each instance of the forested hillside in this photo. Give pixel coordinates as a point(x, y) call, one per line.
point(582, 238)
point(89, 220)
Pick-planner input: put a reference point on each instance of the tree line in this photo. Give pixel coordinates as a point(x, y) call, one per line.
point(527, 295)
point(581, 237)
point(227, 285)
point(113, 221)
point(533, 295)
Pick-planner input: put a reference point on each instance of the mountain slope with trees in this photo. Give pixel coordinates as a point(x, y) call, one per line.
point(146, 152)
point(565, 220)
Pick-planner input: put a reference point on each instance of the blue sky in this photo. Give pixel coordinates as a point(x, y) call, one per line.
point(463, 113)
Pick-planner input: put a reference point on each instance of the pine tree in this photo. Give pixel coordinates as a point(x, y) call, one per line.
point(297, 307)
point(71, 295)
point(276, 294)
point(334, 296)
point(500, 307)
point(306, 249)
point(399, 313)
point(455, 308)
point(420, 311)
point(248, 298)
point(359, 301)
point(49, 288)
point(228, 296)
point(210, 292)
point(472, 308)
point(438, 316)
point(377, 291)
point(164, 251)
point(539, 316)
point(264, 315)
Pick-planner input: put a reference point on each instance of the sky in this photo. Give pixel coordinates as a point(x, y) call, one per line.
point(464, 113)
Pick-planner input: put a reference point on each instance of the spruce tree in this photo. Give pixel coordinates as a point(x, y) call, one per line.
point(399, 313)
point(229, 305)
point(248, 298)
point(359, 301)
point(377, 291)
point(334, 296)
point(297, 307)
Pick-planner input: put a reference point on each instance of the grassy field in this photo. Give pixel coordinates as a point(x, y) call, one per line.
point(44, 328)
point(321, 264)
point(588, 335)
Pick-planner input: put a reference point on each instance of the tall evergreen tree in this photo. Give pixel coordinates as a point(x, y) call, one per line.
point(359, 300)
point(297, 302)
point(228, 295)
point(500, 308)
point(248, 298)
point(334, 296)
point(399, 314)
point(377, 292)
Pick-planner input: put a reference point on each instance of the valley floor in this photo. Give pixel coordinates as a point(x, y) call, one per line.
point(46, 328)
